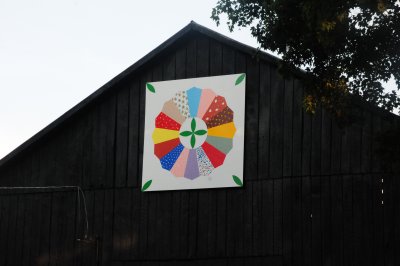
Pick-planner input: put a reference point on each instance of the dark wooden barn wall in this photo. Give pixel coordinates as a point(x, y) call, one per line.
point(312, 193)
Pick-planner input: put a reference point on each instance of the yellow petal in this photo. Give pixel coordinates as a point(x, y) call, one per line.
point(161, 135)
point(226, 130)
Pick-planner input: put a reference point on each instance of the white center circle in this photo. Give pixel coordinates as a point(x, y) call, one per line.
point(193, 132)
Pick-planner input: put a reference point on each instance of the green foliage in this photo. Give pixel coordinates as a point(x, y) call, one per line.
point(345, 47)
point(192, 134)
point(150, 88)
point(240, 79)
point(146, 185)
point(237, 181)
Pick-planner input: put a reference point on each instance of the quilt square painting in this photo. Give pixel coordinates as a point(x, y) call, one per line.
point(194, 133)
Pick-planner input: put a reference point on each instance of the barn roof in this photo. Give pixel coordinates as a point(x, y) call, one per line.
point(188, 30)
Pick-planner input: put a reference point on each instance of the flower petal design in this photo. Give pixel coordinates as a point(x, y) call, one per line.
point(225, 116)
point(216, 157)
point(181, 101)
point(164, 121)
point(226, 130)
point(171, 110)
point(205, 165)
point(180, 121)
point(222, 144)
point(162, 148)
point(168, 161)
point(218, 104)
point(193, 95)
point(161, 135)
point(207, 96)
point(179, 167)
point(192, 168)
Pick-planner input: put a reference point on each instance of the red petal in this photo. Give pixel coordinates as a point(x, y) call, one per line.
point(216, 157)
point(165, 147)
point(164, 121)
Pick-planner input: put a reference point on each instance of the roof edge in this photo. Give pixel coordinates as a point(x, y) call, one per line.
point(96, 94)
point(192, 26)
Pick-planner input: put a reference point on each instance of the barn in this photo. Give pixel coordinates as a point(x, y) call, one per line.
point(314, 193)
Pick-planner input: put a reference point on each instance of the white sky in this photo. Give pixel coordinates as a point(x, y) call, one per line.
point(55, 53)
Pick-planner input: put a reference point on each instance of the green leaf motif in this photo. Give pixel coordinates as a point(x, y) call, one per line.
point(240, 79)
point(237, 181)
point(146, 185)
point(185, 133)
point(150, 87)
point(200, 132)
point(193, 141)
point(193, 125)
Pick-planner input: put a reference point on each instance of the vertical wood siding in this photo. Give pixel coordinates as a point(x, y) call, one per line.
point(312, 193)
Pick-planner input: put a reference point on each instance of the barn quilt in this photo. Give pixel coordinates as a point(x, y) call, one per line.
point(194, 133)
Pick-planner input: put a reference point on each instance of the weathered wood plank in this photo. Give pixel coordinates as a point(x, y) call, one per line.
point(287, 220)
point(42, 255)
point(297, 127)
point(204, 210)
point(366, 140)
point(264, 118)
point(316, 122)
point(106, 249)
point(326, 220)
point(278, 218)
point(316, 233)
point(5, 215)
point(337, 219)
point(215, 58)
point(267, 234)
point(276, 124)
point(388, 190)
point(202, 56)
point(362, 252)
point(12, 229)
point(234, 234)
point(348, 234)
point(248, 219)
point(251, 67)
point(306, 214)
point(288, 128)
point(121, 135)
point(296, 221)
point(326, 142)
point(122, 225)
point(133, 134)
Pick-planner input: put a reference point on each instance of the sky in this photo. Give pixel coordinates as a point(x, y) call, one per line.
point(53, 54)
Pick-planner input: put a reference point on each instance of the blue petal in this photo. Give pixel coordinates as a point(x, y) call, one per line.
point(194, 95)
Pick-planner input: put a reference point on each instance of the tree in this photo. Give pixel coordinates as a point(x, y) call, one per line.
point(344, 47)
